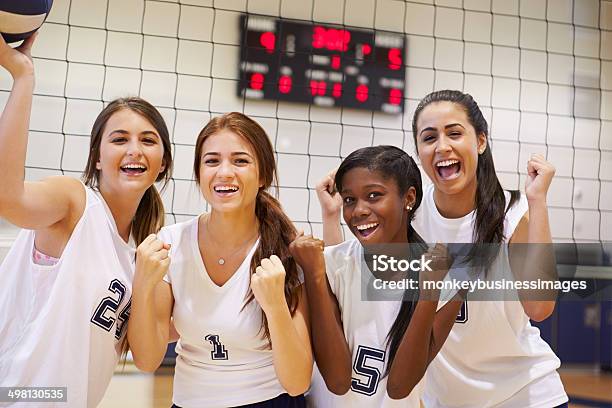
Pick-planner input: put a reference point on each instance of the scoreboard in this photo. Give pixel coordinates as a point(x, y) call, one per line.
point(320, 64)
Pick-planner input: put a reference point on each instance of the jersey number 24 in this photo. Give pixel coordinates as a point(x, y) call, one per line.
point(103, 316)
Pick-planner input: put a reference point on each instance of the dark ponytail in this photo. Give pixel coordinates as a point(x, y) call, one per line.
point(409, 301)
point(276, 232)
point(149, 216)
point(490, 199)
point(394, 163)
point(490, 203)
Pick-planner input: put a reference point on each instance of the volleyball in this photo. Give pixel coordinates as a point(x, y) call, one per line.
point(19, 19)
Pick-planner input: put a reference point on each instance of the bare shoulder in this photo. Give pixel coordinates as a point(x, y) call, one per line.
point(72, 189)
point(71, 192)
point(53, 208)
point(43, 204)
point(66, 183)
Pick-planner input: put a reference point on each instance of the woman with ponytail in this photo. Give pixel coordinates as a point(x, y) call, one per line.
point(493, 356)
point(232, 288)
point(66, 293)
point(373, 352)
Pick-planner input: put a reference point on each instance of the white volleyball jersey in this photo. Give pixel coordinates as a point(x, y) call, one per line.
point(493, 356)
point(63, 325)
point(223, 359)
point(366, 325)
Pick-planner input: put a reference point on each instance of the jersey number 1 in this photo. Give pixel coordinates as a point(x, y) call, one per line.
point(218, 352)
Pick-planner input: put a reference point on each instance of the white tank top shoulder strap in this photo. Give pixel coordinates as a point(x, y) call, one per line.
point(514, 214)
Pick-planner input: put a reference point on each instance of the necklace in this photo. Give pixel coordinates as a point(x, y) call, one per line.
point(222, 260)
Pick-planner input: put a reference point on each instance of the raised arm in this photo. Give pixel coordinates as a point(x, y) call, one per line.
point(331, 350)
point(530, 262)
point(152, 302)
point(331, 204)
point(289, 335)
point(28, 205)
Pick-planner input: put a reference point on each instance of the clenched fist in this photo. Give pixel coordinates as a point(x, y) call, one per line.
point(539, 176)
point(268, 284)
point(441, 262)
point(308, 253)
point(152, 262)
point(329, 198)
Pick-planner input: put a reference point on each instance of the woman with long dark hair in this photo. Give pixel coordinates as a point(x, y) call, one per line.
point(493, 356)
point(372, 353)
point(67, 280)
point(232, 288)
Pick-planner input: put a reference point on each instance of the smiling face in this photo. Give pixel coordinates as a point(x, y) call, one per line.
point(131, 154)
point(373, 208)
point(448, 147)
point(229, 173)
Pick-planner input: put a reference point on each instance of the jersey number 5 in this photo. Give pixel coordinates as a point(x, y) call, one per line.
point(103, 319)
point(362, 368)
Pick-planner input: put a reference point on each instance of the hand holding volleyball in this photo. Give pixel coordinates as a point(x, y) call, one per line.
point(152, 261)
point(268, 284)
point(308, 253)
point(17, 61)
point(539, 176)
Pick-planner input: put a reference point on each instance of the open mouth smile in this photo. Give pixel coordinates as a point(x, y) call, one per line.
point(448, 169)
point(366, 230)
point(133, 169)
point(226, 190)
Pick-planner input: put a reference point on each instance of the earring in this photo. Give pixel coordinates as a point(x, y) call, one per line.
point(409, 207)
point(481, 151)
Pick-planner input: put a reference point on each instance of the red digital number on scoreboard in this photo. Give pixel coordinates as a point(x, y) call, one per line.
point(257, 81)
point(284, 84)
point(268, 41)
point(395, 58)
point(330, 38)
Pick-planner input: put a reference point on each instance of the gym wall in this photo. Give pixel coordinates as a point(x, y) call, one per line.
point(540, 69)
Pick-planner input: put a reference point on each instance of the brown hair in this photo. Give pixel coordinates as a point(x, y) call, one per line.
point(275, 229)
point(149, 217)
